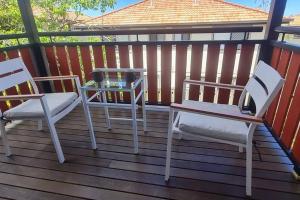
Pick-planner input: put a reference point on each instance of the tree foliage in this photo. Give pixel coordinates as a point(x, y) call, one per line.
point(50, 15)
point(54, 14)
point(10, 17)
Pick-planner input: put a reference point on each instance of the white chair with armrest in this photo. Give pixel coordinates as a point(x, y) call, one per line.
point(51, 106)
point(226, 123)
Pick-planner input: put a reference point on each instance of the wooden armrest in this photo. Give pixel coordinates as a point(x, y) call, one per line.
point(218, 113)
point(212, 84)
point(48, 78)
point(21, 97)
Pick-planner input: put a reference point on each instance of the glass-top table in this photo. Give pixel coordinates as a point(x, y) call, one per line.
point(111, 88)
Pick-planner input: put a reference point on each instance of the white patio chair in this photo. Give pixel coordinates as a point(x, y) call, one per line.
point(51, 107)
point(226, 123)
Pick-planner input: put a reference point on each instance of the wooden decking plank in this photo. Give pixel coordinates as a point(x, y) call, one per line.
point(157, 146)
point(199, 169)
point(102, 169)
point(154, 156)
point(103, 157)
point(207, 176)
point(82, 140)
point(264, 147)
point(20, 193)
point(104, 183)
point(157, 140)
point(66, 188)
point(106, 172)
point(151, 155)
point(130, 177)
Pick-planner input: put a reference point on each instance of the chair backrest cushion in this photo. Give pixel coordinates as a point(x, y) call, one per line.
point(14, 72)
point(263, 86)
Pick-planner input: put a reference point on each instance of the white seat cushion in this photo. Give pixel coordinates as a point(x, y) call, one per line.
point(33, 108)
point(214, 127)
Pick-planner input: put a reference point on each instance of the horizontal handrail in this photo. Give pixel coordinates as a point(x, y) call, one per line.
point(163, 30)
point(187, 42)
point(13, 36)
point(286, 45)
point(288, 29)
point(19, 46)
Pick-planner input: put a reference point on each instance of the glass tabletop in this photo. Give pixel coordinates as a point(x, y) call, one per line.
point(111, 83)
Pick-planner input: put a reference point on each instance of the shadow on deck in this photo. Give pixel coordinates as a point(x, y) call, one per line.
point(200, 169)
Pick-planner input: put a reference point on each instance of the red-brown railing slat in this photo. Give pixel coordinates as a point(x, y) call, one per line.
point(244, 68)
point(74, 61)
point(63, 66)
point(275, 57)
point(111, 63)
point(211, 71)
point(27, 58)
point(86, 62)
point(87, 65)
point(124, 63)
point(282, 68)
point(296, 147)
point(166, 58)
point(227, 71)
point(287, 93)
point(110, 56)
point(180, 73)
point(137, 56)
point(292, 118)
point(13, 90)
point(53, 67)
point(196, 65)
point(98, 56)
point(3, 105)
point(137, 61)
point(152, 73)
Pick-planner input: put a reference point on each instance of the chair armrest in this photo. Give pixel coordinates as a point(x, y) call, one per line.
point(21, 97)
point(212, 84)
point(49, 78)
point(218, 113)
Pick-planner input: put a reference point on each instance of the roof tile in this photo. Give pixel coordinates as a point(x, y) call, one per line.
point(179, 12)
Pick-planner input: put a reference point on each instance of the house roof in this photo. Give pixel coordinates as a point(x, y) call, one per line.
point(296, 20)
point(175, 12)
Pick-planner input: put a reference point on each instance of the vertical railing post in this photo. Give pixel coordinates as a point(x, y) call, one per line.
point(276, 13)
point(32, 34)
point(275, 19)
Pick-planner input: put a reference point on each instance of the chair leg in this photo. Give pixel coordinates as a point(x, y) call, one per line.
point(4, 138)
point(87, 114)
point(53, 132)
point(169, 145)
point(249, 169)
point(40, 125)
point(134, 124)
point(56, 143)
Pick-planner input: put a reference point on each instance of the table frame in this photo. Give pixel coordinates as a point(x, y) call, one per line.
point(101, 94)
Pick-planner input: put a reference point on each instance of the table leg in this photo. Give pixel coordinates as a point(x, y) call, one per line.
point(134, 122)
point(87, 113)
point(106, 111)
point(144, 112)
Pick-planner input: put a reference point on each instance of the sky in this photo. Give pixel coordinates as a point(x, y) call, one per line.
point(293, 6)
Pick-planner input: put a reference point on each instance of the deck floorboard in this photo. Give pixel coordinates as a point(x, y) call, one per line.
point(199, 169)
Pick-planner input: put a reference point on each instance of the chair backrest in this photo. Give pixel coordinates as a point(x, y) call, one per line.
point(14, 72)
point(263, 86)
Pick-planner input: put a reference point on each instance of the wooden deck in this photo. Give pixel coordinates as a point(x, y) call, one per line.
point(200, 169)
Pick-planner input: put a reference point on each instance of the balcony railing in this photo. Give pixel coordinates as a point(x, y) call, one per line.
point(168, 63)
